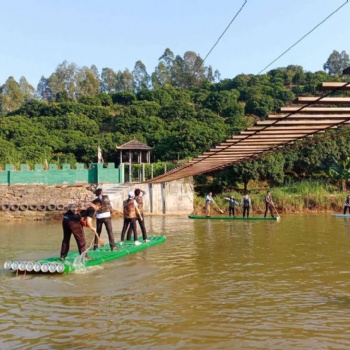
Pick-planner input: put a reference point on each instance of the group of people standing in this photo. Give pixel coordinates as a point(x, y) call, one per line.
point(246, 204)
point(76, 218)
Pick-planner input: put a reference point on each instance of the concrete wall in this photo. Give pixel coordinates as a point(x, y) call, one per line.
point(171, 198)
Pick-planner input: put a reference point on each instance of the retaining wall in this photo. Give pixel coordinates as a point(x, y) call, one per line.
point(52, 176)
point(43, 202)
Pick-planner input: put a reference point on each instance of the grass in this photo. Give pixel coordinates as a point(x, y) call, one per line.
point(298, 197)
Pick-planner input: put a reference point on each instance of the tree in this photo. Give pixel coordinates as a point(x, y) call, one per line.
point(44, 90)
point(27, 89)
point(341, 171)
point(63, 82)
point(87, 82)
point(11, 96)
point(162, 73)
point(109, 80)
point(141, 77)
point(125, 81)
point(336, 63)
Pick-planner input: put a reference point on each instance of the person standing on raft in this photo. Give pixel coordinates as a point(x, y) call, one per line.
point(139, 215)
point(71, 224)
point(347, 204)
point(103, 216)
point(269, 205)
point(247, 203)
point(130, 212)
point(231, 206)
point(208, 200)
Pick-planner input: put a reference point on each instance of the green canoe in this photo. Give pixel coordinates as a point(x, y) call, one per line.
point(223, 217)
point(74, 262)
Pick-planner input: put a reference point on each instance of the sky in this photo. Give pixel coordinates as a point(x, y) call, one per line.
point(38, 35)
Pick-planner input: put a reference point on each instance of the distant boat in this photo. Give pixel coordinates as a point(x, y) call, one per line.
point(223, 217)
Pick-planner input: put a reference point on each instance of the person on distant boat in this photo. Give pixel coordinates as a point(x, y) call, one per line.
point(246, 203)
point(130, 212)
point(139, 215)
point(269, 205)
point(208, 200)
point(103, 216)
point(231, 206)
point(72, 224)
point(347, 204)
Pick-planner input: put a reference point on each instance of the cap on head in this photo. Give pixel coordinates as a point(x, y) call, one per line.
point(131, 194)
point(72, 206)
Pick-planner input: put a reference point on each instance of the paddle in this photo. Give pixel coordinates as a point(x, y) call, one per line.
point(99, 240)
point(276, 210)
point(218, 207)
point(138, 213)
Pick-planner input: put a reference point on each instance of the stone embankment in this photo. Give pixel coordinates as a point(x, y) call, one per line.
point(40, 202)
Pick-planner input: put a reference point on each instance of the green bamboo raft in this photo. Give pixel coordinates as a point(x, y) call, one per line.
point(223, 217)
point(74, 262)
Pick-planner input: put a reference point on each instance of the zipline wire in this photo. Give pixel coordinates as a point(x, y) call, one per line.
point(330, 15)
point(222, 34)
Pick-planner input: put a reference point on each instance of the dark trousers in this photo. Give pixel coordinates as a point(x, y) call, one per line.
point(72, 227)
point(268, 207)
point(108, 224)
point(231, 210)
point(346, 207)
point(142, 226)
point(132, 223)
point(246, 211)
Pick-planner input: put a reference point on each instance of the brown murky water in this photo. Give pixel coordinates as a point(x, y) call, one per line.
point(211, 285)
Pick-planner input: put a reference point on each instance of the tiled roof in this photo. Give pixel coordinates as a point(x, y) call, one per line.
point(134, 145)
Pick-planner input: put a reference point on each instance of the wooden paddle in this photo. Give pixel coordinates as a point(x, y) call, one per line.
point(218, 207)
point(99, 240)
point(276, 210)
point(138, 213)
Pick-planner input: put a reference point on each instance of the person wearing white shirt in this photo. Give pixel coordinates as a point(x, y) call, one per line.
point(208, 200)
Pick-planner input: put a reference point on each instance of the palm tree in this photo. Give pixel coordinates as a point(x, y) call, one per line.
point(341, 171)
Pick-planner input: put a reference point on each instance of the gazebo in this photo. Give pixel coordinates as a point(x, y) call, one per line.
point(134, 152)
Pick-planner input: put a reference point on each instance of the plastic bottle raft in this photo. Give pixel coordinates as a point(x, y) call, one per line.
point(74, 261)
point(223, 217)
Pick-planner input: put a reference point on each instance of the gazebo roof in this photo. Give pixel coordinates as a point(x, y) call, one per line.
point(134, 145)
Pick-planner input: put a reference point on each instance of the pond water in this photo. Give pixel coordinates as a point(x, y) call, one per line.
point(211, 285)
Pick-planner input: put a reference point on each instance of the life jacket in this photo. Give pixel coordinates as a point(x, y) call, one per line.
point(347, 200)
point(106, 205)
point(129, 209)
point(246, 202)
point(232, 202)
point(139, 201)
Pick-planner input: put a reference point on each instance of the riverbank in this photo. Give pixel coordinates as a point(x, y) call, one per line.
point(299, 198)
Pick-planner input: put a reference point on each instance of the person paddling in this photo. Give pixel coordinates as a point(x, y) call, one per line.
point(269, 205)
point(231, 206)
point(208, 200)
point(247, 203)
point(72, 224)
point(347, 204)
